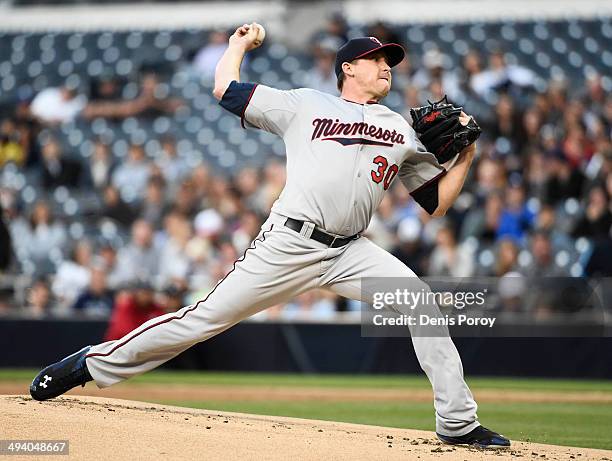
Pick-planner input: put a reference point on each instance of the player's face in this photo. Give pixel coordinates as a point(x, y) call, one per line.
point(374, 74)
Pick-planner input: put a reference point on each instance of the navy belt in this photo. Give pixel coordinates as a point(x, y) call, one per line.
point(319, 235)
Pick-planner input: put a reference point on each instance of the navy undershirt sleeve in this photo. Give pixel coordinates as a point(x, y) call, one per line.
point(427, 194)
point(237, 96)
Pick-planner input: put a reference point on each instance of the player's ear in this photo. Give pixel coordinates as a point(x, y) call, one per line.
point(347, 68)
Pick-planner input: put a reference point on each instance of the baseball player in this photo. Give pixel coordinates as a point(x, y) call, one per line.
point(342, 155)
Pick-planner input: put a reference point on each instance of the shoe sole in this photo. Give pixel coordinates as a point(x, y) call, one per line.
point(474, 445)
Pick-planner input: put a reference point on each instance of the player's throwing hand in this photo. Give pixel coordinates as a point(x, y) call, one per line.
point(248, 36)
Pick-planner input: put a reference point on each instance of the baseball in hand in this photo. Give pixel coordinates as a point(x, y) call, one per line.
point(261, 34)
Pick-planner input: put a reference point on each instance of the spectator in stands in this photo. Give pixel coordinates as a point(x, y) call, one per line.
point(208, 224)
point(607, 112)
point(156, 101)
point(402, 77)
point(506, 125)
point(577, 148)
point(248, 228)
point(557, 140)
point(101, 166)
point(563, 180)
point(174, 167)
point(412, 98)
point(512, 289)
point(483, 223)
point(384, 33)
point(547, 222)
point(172, 298)
point(312, 305)
point(106, 88)
point(335, 27)
point(174, 262)
point(200, 181)
point(185, 200)
point(593, 94)
point(29, 129)
point(57, 170)
point(410, 249)
point(322, 76)
point(599, 262)
point(205, 270)
point(448, 259)
point(114, 208)
point(73, 275)
point(107, 261)
point(35, 237)
point(153, 207)
point(507, 257)
point(501, 76)
point(471, 66)
point(273, 183)
point(226, 254)
point(58, 105)
point(139, 260)
point(97, 299)
point(516, 218)
point(490, 177)
point(543, 263)
point(536, 174)
point(12, 149)
point(223, 198)
point(131, 176)
point(247, 184)
point(6, 246)
point(148, 103)
point(40, 302)
point(433, 77)
point(596, 222)
point(131, 310)
point(382, 227)
point(553, 105)
point(205, 61)
point(531, 128)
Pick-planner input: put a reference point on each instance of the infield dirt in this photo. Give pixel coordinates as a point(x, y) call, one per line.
point(101, 429)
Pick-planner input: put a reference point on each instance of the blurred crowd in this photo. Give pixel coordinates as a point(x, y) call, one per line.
point(537, 201)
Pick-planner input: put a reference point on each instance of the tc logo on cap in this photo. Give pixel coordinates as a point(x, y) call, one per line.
point(375, 40)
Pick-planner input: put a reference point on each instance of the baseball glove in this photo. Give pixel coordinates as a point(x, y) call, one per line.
point(440, 131)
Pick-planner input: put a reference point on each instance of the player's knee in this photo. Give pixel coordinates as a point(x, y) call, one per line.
point(215, 316)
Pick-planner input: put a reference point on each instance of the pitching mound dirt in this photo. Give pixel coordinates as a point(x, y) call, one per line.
point(101, 428)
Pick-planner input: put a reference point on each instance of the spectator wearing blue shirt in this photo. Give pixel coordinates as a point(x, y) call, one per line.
point(97, 300)
point(516, 218)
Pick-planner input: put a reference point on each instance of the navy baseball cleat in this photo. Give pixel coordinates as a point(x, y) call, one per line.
point(480, 437)
point(62, 376)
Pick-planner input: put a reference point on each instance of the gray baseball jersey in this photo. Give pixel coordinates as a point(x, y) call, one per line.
point(341, 157)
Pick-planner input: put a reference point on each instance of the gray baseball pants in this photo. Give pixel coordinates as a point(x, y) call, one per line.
point(279, 265)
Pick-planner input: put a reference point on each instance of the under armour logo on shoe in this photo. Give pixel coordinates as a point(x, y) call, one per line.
point(374, 39)
point(46, 378)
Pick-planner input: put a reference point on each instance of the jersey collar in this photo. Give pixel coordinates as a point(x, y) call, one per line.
point(371, 101)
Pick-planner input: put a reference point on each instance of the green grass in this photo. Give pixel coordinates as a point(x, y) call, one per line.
point(341, 381)
point(575, 424)
point(580, 425)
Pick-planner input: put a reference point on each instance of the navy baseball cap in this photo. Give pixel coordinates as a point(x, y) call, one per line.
point(362, 46)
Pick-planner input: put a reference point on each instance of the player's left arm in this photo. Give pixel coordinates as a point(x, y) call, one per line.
point(430, 184)
point(451, 184)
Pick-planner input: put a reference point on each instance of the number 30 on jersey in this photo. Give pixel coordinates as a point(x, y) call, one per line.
point(384, 172)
